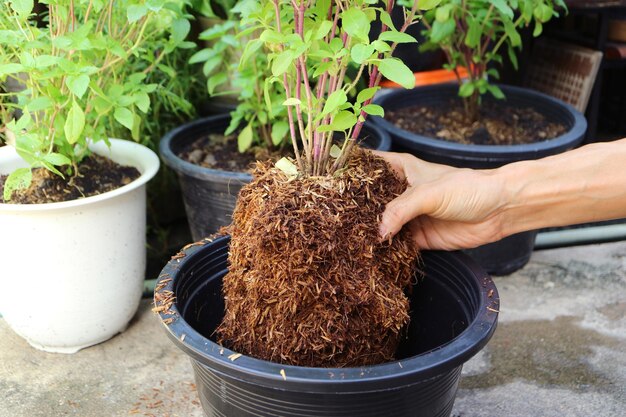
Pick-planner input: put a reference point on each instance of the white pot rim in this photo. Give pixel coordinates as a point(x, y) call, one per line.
point(121, 151)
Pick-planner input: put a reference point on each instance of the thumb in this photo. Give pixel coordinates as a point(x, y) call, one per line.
point(400, 211)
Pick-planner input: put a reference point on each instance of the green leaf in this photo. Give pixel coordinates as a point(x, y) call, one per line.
point(441, 30)
point(343, 120)
point(215, 81)
point(292, 101)
point(366, 94)
point(17, 180)
point(512, 57)
point(102, 105)
point(125, 101)
point(493, 73)
point(23, 122)
point(428, 4)
point(495, 91)
point(271, 36)
point(511, 32)
point(244, 140)
point(381, 46)
point(546, 13)
point(323, 29)
point(443, 13)
point(136, 12)
point(281, 63)
point(210, 65)
point(397, 37)
point(360, 52)
point(356, 23)
point(251, 47)
point(136, 130)
point(538, 29)
point(9, 37)
point(466, 90)
point(386, 19)
point(288, 167)
point(201, 56)
point(279, 131)
point(77, 84)
point(155, 5)
point(22, 7)
point(44, 61)
point(336, 99)
point(335, 151)
point(374, 110)
point(474, 32)
point(39, 103)
point(503, 8)
point(74, 124)
point(57, 159)
point(395, 70)
point(11, 68)
point(124, 117)
point(180, 30)
point(322, 68)
point(142, 101)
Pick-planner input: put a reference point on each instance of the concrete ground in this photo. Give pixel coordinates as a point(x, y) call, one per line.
point(560, 350)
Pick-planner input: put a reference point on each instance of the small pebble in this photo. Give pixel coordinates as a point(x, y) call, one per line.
point(210, 160)
point(195, 156)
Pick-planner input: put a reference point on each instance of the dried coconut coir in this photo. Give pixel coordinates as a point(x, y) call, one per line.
point(309, 283)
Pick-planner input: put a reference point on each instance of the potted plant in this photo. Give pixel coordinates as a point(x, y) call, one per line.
point(311, 310)
point(214, 19)
point(212, 155)
point(476, 123)
point(73, 200)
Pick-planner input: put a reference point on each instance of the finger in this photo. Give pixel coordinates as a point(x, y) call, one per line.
point(427, 237)
point(395, 160)
point(400, 211)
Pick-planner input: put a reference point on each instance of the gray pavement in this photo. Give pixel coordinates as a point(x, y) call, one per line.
point(560, 350)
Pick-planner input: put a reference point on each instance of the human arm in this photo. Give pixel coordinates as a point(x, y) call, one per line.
point(453, 208)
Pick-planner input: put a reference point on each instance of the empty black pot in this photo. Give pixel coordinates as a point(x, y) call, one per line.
point(513, 252)
point(454, 313)
point(210, 194)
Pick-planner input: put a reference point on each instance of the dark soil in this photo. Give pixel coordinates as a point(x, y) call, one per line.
point(97, 175)
point(498, 124)
point(217, 151)
point(309, 283)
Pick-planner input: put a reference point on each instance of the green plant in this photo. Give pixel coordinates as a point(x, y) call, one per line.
point(236, 64)
point(213, 8)
point(311, 46)
point(84, 71)
point(472, 32)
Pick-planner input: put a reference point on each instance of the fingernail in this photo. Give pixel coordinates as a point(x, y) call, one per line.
point(382, 231)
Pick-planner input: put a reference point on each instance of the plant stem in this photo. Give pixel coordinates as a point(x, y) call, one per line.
point(292, 128)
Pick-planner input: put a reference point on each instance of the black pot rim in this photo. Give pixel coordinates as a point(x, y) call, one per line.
point(391, 374)
point(180, 165)
point(565, 141)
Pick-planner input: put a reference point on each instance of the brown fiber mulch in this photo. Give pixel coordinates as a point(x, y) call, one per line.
point(309, 283)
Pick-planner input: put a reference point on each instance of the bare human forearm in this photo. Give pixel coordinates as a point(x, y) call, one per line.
point(583, 185)
point(452, 208)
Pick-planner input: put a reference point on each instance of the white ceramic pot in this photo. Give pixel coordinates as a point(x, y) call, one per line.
point(71, 273)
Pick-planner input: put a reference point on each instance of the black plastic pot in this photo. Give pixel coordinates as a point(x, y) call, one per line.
point(210, 194)
point(454, 314)
point(480, 156)
point(513, 252)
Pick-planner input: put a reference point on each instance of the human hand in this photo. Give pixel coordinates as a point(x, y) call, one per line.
point(444, 207)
